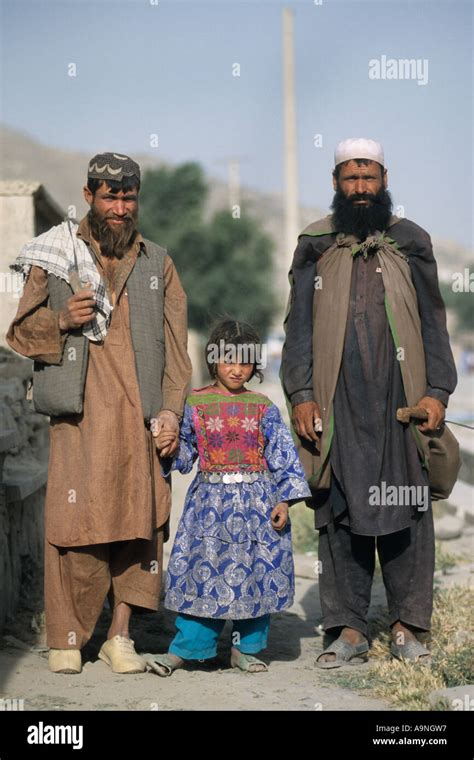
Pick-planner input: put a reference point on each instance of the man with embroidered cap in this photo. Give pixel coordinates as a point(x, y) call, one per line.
point(104, 316)
point(366, 335)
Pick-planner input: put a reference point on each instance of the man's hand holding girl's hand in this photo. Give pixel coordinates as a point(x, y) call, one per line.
point(279, 515)
point(166, 442)
point(165, 431)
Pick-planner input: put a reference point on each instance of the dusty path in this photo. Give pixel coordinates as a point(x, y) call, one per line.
point(292, 683)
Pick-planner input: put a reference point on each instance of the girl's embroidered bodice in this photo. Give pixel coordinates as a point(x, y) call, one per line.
point(229, 433)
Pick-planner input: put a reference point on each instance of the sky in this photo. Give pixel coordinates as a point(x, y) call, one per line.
point(165, 67)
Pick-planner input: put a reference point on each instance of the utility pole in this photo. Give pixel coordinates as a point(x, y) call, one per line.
point(233, 178)
point(290, 144)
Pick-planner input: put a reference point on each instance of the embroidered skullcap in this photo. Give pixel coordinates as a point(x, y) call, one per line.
point(113, 166)
point(358, 147)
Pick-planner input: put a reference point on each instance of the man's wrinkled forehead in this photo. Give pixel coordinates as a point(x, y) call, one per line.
point(360, 167)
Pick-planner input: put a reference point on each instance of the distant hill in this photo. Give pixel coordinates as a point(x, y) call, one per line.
point(63, 172)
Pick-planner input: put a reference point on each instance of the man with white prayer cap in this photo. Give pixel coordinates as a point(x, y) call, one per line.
point(366, 335)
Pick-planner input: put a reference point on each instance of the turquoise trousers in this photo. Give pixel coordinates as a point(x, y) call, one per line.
point(196, 637)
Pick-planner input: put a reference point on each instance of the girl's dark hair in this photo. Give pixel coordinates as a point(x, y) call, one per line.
point(233, 333)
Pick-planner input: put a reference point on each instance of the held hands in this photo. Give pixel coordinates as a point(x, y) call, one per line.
point(436, 413)
point(166, 442)
point(305, 418)
point(165, 431)
point(279, 515)
point(79, 309)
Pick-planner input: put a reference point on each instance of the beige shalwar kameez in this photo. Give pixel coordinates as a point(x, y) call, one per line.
point(107, 504)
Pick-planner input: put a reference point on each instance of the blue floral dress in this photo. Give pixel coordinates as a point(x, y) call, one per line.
point(227, 560)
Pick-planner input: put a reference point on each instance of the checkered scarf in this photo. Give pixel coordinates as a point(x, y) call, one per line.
point(60, 252)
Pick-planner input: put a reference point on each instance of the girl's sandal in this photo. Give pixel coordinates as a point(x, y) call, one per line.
point(248, 663)
point(162, 664)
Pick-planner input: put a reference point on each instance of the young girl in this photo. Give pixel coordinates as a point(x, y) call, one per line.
point(232, 555)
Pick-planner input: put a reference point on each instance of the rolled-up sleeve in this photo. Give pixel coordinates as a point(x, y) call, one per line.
point(35, 331)
point(177, 374)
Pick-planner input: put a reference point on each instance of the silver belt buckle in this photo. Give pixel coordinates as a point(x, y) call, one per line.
point(227, 478)
point(214, 477)
point(238, 477)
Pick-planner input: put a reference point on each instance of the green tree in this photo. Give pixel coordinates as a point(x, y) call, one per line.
point(225, 265)
point(172, 200)
point(462, 303)
point(229, 272)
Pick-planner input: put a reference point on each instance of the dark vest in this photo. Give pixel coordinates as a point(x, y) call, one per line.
point(58, 389)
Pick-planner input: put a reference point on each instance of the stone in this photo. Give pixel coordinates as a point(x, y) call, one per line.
point(448, 528)
point(453, 698)
point(24, 448)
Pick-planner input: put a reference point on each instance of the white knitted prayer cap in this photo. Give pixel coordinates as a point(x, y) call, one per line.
point(358, 147)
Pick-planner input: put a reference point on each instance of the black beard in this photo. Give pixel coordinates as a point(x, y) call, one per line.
point(361, 221)
point(114, 241)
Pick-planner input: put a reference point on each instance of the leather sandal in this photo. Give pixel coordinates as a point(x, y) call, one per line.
point(247, 663)
point(413, 650)
point(162, 664)
point(345, 654)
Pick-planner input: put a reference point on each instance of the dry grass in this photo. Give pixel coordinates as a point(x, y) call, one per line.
point(407, 684)
point(305, 537)
point(445, 560)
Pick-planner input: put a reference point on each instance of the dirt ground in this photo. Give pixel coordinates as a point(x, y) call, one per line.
point(292, 682)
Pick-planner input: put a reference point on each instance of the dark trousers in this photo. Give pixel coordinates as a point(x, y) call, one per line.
point(347, 563)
